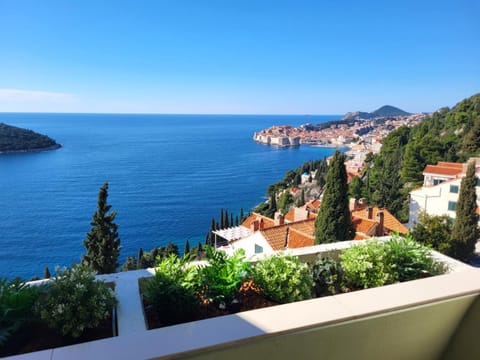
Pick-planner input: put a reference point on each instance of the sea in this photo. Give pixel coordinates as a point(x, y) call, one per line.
point(168, 175)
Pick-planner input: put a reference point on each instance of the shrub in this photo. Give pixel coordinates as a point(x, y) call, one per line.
point(16, 306)
point(378, 263)
point(283, 278)
point(364, 265)
point(327, 277)
point(171, 291)
point(219, 281)
point(408, 260)
point(74, 301)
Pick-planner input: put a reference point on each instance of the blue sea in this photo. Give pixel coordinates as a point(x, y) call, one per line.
point(167, 174)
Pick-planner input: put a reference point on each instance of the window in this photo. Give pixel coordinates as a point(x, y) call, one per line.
point(452, 205)
point(454, 189)
point(438, 181)
point(258, 249)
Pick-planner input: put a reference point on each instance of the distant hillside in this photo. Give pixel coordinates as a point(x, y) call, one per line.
point(14, 139)
point(446, 135)
point(384, 111)
point(388, 110)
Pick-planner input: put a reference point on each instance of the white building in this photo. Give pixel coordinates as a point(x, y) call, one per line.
point(440, 190)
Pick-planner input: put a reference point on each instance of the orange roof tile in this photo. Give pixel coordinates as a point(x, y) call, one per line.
point(450, 164)
point(297, 239)
point(442, 170)
point(277, 236)
point(363, 225)
point(290, 215)
point(313, 205)
point(390, 222)
point(267, 222)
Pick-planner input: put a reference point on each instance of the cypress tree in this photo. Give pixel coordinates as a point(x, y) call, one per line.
point(236, 221)
point(242, 216)
point(142, 261)
point(46, 273)
point(102, 242)
point(199, 251)
point(222, 219)
point(334, 221)
point(186, 249)
point(231, 220)
point(465, 232)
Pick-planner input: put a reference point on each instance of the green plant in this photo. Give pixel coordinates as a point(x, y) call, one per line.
point(220, 280)
point(327, 277)
point(283, 278)
point(172, 290)
point(364, 265)
point(74, 301)
point(408, 260)
point(16, 306)
point(376, 263)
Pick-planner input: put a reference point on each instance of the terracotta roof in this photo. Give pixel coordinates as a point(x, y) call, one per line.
point(298, 239)
point(443, 170)
point(364, 226)
point(450, 165)
point(390, 222)
point(267, 222)
point(313, 205)
point(290, 215)
point(277, 236)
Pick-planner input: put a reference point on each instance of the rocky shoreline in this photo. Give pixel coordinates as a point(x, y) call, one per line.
point(24, 151)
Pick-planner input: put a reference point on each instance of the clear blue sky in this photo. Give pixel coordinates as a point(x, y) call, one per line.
point(237, 56)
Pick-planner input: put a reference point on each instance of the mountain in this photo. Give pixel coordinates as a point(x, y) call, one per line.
point(15, 139)
point(384, 111)
point(388, 110)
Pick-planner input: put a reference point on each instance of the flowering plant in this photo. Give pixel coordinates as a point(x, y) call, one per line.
point(75, 301)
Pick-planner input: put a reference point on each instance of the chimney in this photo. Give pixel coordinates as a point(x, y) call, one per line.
point(260, 224)
point(380, 222)
point(286, 237)
point(370, 213)
point(279, 219)
point(254, 226)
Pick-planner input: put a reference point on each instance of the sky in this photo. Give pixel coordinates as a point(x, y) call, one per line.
point(237, 56)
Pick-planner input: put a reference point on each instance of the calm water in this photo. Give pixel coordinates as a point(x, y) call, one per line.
point(168, 175)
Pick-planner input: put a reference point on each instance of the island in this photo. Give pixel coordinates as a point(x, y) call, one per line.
point(16, 140)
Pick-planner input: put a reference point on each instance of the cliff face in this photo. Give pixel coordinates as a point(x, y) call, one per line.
point(14, 139)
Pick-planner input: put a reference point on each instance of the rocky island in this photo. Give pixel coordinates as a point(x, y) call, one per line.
point(15, 140)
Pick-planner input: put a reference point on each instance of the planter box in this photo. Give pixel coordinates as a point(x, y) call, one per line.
point(416, 320)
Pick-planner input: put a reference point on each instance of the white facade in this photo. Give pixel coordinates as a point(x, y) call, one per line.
point(439, 199)
point(252, 245)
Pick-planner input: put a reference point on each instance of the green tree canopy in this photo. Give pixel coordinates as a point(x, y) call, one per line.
point(334, 221)
point(102, 242)
point(465, 232)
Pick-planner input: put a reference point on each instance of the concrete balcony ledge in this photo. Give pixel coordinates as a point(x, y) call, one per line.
point(420, 319)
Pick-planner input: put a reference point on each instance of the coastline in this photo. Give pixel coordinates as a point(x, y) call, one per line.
point(24, 151)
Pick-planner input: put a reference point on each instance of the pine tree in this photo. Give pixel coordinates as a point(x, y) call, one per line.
point(465, 232)
point(102, 242)
point(334, 221)
point(46, 273)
